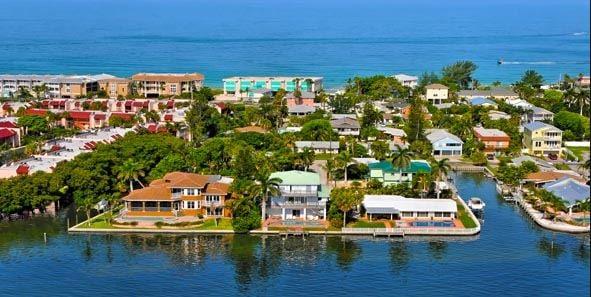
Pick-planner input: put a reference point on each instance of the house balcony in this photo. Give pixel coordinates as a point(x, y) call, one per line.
point(298, 204)
point(292, 193)
point(211, 203)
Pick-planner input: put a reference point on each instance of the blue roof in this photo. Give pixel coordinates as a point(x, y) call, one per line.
point(568, 189)
point(537, 125)
point(481, 101)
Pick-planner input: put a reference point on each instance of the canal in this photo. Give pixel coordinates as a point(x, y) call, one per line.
point(511, 257)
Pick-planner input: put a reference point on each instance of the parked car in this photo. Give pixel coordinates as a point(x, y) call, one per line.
point(553, 157)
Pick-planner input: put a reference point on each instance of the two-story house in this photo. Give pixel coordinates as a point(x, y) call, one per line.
point(495, 141)
point(346, 126)
point(302, 196)
point(537, 114)
point(180, 194)
point(444, 143)
point(387, 174)
point(540, 138)
point(436, 93)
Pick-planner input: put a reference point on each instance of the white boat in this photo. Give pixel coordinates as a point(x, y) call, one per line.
point(476, 204)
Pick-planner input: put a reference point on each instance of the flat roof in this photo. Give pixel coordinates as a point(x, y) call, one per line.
point(315, 78)
point(397, 204)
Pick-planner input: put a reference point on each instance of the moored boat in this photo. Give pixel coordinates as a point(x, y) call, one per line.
point(476, 204)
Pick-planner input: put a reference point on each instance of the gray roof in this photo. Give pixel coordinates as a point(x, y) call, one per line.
point(434, 135)
point(481, 101)
point(539, 110)
point(345, 123)
point(568, 189)
point(304, 95)
point(301, 109)
point(493, 92)
point(317, 144)
point(538, 125)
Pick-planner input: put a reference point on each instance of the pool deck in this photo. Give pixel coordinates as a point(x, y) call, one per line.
point(538, 217)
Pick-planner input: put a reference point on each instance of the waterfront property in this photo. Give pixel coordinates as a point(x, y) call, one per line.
point(436, 93)
point(407, 80)
point(346, 126)
point(180, 194)
point(569, 190)
point(542, 139)
point(541, 178)
point(153, 85)
point(386, 173)
point(396, 207)
point(319, 147)
point(495, 141)
point(444, 143)
point(302, 196)
point(242, 86)
point(60, 86)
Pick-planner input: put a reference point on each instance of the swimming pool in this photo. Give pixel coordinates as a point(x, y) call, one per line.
point(432, 224)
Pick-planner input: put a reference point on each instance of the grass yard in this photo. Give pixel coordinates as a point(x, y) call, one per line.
point(578, 151)
point(209, 224)
point(366, 224)
point(465, 217)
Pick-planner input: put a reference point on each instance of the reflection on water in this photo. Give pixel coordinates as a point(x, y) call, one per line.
point(269, 265)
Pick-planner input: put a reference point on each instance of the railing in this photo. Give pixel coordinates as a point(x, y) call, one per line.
point(412, 231)
point(298, 204)
point(299, 193)
point(211, 203)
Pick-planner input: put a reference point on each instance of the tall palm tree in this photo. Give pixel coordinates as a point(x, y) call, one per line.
point(401, 157)
point(329, 167)
point(307, 157)
point(440, 169)
point(266, 186)
point(130, 171)
point(343, 159)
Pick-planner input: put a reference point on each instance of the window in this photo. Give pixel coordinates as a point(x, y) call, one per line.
point(422, 214)
point(438, 214)
point(190, 204)
point(212, 198)
point(407, 214)
point(190, 192)
point(173, 88)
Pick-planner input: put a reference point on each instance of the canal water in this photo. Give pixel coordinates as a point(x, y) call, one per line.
point(511, 257)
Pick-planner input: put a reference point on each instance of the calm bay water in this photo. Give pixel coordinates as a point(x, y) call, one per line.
point(330, 38)
point(511, 257)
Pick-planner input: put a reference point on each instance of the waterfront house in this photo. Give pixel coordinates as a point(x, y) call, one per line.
point(302, 196)
point(541, 178)
point(498, 93)
point(436, 93)
point(319, 147)
point(154, 85)
point(180, 194)
point(406, 113)
point(396, 207)
point(346, 126)
point(537, 114)
point(540, 138)
point(444, 143)
point(407, 80)
point(481, 101)
point(240, 86)
point(387, 174)
point(495, 141)
point(569, 190)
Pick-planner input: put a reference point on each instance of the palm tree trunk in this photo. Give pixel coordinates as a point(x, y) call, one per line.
point(139, 182)
point(263, 210)
point(130, 185)
point(345, 173)
point(344, 219)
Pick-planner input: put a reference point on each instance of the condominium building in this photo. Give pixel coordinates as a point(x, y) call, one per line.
point(57, 86)
point(243, 86)
point(302, 196)
point(540, 138)
point(153, 85)
point(180, 194)
point(115, 87)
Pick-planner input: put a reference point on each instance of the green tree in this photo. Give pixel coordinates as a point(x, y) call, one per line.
point(531, 78)
point(441, 169)
point(343, 159)
point(317, 130)
point(130, 171)
point(266, 186)
point(380, 149)
point(346, 199)
point(459, 73)
point(401, 157)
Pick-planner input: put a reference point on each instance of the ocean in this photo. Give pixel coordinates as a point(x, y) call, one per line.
point(333, 39)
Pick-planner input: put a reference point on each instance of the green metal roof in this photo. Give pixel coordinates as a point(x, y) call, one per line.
point(324, 192)
point(296, 177)
point(416, 166)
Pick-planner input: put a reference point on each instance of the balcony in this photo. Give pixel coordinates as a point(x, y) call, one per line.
point(298, 204)
point(292, 193)
point(211, 203)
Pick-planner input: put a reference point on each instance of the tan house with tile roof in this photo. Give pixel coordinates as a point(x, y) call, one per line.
point(152, 85)
point(180, 194)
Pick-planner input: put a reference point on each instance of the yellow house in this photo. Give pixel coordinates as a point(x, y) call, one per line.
point(153, 85)
point(115, 87)
point(540, 138)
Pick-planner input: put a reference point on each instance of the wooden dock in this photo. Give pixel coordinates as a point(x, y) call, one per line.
point(388, 232)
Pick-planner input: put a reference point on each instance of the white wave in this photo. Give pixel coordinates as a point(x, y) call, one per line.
point(579, 33)
point(529, 63)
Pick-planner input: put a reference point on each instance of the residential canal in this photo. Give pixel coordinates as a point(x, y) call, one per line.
point(511, 257)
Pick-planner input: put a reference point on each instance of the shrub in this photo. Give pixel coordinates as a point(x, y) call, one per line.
point(246, 223)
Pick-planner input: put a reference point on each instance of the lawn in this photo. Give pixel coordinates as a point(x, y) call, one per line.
point(98, 222)
point(465, 217)
point(366, 224)
point(578, 151)
point(209, 224)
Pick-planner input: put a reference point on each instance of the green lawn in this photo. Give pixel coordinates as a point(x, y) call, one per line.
point(366, 224)
point(578, 151)
point(98, 222)
point(465, 217)
point(209, 224)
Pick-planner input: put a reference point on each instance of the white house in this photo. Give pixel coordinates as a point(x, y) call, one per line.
point(520, 103)
point(444, 143)
point(407, 80)
point(319, 147)
point(302, 196)
point(537, 114)
point(436, 93)
point(398, 207)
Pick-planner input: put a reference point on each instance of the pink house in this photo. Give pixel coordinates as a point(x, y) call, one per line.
point(306, 98)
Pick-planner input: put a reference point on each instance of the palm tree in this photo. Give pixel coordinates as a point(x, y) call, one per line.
point(401, 157)
point(343, 159)
point(266, 186)
point(307, 158)
point(440, 169)
point(130, 171)
point(40, 89)
point(329, 166)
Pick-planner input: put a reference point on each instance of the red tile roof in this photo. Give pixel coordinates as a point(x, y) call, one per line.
point(100, 117)
point(22, 169)
point(168, 117)
point(122, 115)
point(36, 112)
point(80, 115)
point(6, 133)
point(7, 124)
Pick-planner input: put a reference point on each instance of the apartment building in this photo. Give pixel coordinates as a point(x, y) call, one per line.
point(115, 87)
point(153, 85)
point(56, 86)
point(244, 86)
